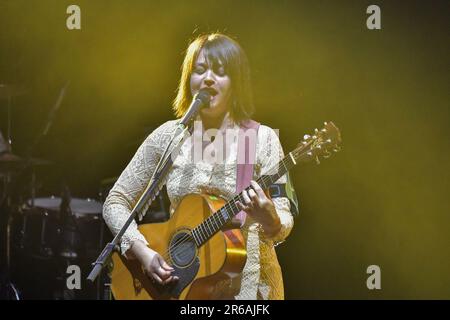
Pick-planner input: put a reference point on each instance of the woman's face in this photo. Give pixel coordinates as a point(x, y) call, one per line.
point(213, 77)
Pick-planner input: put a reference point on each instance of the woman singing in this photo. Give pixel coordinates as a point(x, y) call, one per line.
point(218, 64)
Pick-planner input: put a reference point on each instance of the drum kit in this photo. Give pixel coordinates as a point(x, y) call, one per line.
point(42, 236)
point(47, 234)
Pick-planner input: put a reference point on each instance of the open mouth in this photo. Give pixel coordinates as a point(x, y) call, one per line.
point(213, 92)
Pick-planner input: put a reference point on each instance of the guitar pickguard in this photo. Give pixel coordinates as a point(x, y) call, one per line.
point(185, 275)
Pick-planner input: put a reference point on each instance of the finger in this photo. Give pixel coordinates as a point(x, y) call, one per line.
point(259, 191)
point(247, 200)
point(164, 264)
point(253, 196)
point(247, 210)
point(241, 206)
point(155, 278)
point(163, 274)
point(171, 279)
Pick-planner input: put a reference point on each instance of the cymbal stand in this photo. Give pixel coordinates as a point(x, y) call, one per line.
point(7, 288)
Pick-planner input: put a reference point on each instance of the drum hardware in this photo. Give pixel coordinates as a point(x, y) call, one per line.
point(48, 233)
point(53, 234)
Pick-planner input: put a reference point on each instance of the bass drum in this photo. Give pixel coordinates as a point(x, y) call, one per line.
point(36, 237)
point(37, 228)
point(50, 235)
point(83, 230)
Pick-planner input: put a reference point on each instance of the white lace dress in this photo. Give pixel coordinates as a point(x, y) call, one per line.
point(261, 277)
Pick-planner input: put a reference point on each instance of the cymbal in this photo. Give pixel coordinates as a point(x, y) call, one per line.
point(10, 162)
point(8, 90)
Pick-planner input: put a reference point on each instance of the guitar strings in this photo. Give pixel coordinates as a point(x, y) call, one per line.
point(187, 237)
point(264, 179)
point(175, 248)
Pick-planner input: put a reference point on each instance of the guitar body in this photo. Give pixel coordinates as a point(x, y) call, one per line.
point(222, 257)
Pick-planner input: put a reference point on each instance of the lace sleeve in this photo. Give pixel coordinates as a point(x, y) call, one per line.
point(131, 184)
point(270, 152)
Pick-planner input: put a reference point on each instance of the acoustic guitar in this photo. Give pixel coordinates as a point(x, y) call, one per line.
point(197, 240)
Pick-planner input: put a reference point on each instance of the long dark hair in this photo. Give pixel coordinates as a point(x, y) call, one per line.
point(218, 47)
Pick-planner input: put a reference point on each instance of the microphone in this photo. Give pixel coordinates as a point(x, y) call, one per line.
point(201, 100)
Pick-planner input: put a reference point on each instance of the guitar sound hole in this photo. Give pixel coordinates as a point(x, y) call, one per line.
point(182, 249)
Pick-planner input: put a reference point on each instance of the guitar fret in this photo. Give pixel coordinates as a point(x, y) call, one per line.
point(240, 198)
point(202, 230)
point(211, 219)
point(195, 231)
point(235, 206)
point(213, 223)
point(219, 217)
point(198, 236)
point(226, 215)
point(216, 219)
point(201, 234)
point(217, 225)
point(195, 237)
point(262, 182)
point(207, 228)
point(211, 227)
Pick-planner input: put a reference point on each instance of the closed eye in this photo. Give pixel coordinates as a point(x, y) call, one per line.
point(199, 69)
point(220, 70)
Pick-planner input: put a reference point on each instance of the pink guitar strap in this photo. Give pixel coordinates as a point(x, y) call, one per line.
point(246, 152)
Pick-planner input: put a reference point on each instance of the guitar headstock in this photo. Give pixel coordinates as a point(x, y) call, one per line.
point(321, 144)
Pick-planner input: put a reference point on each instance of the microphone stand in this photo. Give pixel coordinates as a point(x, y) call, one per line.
point(151, 191)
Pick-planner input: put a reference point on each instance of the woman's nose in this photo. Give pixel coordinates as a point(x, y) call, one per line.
point(209, 78)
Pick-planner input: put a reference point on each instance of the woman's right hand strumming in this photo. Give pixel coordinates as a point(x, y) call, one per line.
point(153, 264)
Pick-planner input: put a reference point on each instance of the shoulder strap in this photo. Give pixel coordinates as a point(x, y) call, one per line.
point(246, 157)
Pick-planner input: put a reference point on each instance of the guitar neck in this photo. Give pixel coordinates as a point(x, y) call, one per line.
point(310, 148)
point(213, 224)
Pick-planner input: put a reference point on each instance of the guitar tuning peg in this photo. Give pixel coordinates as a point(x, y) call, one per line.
point(309, 153)
point(306, 137)
point(328, 140)
point(337, 149)
point(325, 123)
point(304, 143)
point(316, 131)
point(324, 130)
